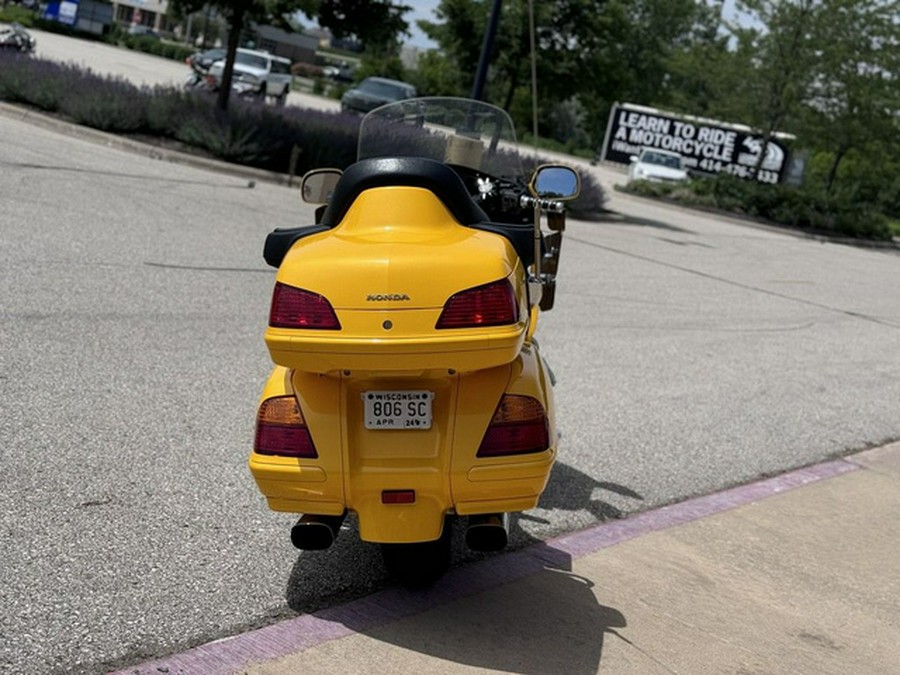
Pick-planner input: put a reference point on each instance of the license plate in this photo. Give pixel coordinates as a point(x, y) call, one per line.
point(398, 409)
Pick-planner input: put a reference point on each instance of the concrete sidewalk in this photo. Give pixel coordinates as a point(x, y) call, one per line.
point(799, 573)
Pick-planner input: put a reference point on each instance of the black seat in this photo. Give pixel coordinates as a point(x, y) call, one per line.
point(520, 236)
point(280, 240)
point(434, 176)
point(439, 178)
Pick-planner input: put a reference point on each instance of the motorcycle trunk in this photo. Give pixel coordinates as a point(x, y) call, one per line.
point(388, 270)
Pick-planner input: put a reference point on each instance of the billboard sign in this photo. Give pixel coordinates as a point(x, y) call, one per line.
point(707, 146)
point(63, 11)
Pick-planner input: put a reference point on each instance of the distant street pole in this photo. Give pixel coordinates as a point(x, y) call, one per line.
point(486, 48)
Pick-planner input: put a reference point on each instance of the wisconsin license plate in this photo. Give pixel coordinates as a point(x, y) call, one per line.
point(398, 409)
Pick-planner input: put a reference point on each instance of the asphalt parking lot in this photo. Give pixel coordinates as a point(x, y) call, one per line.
point(692, 352)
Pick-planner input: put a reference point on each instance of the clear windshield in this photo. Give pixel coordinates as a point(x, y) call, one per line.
point(457, 131)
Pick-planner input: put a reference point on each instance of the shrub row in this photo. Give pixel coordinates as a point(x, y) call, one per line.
point(155, 46)
point(782, 204)
point(249, 133)
point(17, 14)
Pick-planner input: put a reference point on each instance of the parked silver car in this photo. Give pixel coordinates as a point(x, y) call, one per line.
point(14, 37)
point(257, 73)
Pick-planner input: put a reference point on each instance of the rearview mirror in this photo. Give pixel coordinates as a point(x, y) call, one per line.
point(318, 184)
point(554, 181)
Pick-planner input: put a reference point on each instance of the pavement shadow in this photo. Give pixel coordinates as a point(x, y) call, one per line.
point(623, 219)
point(352, 568)
point(545, 619)
point(572, 490)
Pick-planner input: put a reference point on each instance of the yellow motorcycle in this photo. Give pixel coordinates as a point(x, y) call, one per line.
point(408, 387)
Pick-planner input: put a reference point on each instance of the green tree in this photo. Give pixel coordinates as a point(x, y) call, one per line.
point(696, 80)
point(776, 62)
point(458, 32)
point(433, 76)
point(377, 24)
point(825, 70)
point(590, 53)
point(855, 100)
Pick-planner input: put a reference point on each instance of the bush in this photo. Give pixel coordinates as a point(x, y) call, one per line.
point(249, 133)
point(106, 104)
point(230, 136)
point(17, 14)
point(646, 188)
point(41, 84)
point(151, 45)
point(309, 70)
point(845, 214)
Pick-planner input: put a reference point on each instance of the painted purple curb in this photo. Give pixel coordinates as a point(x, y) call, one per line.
point(233, 654)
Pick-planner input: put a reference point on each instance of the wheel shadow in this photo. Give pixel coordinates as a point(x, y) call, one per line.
point(524, 610)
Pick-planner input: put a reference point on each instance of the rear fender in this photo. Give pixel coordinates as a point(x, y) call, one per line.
point(305, 485)
point(508, 483)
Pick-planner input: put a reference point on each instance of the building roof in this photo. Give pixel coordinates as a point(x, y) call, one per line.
point(282, 36)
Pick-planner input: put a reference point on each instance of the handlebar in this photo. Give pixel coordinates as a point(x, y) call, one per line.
point(548, 205)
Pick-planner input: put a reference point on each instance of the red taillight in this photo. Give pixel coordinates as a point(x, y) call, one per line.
point(519, 427)
point(281, 429)
point(296, 308)
point(493, 304)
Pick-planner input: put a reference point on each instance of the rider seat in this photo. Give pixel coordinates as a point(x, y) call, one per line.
point(419, 172)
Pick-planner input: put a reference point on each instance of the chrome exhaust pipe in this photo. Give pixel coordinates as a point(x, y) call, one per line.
point(316, 533)
point(488, 532)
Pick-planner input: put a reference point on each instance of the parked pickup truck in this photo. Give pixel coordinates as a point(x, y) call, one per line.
point(258, 73)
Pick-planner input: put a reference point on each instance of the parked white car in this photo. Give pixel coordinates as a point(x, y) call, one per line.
point(657, 165)
point(256, 72)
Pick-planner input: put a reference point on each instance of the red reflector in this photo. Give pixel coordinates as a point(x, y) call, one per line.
point(398, 497)
point(296, 308)
point(281, 429)
point(493, 304)
point(519, 427)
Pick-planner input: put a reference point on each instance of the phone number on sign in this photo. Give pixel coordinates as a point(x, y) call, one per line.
point(739, 170)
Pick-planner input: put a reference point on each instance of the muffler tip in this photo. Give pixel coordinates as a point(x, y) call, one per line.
point(315, 533)
point(488, 532)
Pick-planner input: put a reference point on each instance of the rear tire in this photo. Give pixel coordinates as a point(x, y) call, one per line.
point(421, 564)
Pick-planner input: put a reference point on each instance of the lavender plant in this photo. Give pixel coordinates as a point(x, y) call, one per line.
point(249, 133)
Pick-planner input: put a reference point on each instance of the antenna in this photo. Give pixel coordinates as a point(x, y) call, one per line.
point(534, 98)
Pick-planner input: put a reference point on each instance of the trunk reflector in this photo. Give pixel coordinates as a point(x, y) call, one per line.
point(493, 304)
point(398, 497)
point(297, 308)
